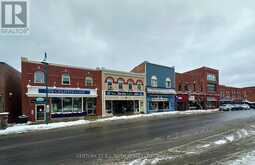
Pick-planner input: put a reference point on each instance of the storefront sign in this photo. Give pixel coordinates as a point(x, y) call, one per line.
point(161, 91)
point(65, 91)
point(191, 98)
point(211, 99)
point(120, 93)
point(40, 91)
point(159, 99)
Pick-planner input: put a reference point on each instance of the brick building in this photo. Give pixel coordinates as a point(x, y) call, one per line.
point(10, 91)
point(73, 92)
point(250, 94)
point(198, 89)
point(232, 94)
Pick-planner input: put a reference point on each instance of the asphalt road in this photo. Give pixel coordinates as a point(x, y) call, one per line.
point(124, 142)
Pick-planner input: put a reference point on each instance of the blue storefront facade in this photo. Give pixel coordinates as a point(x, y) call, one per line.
point(160, 87)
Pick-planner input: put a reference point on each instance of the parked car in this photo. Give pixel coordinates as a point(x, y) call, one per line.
point(226, 107)
point(245, 106)
point(237, 107)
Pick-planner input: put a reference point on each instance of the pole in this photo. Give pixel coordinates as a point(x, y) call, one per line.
point(46, 68)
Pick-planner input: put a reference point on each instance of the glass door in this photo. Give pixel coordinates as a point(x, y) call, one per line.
point(40, 112)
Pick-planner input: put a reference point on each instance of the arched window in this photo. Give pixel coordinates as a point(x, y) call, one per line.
point(39, 77)
point(120, 84)
point(130, 85)
point(139, 85)
point(109, 82)
point(66, 79)
point(88, 81)
point(154, 81)
point(168, 83)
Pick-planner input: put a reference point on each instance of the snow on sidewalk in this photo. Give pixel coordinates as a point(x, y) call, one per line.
point(21, 128)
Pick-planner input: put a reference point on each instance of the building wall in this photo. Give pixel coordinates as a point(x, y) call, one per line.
point(55, 71)
point(195, 83)
point(10, 90)
point(250, 93)
point(125, 77)
point(161, 72)
point(232, 93)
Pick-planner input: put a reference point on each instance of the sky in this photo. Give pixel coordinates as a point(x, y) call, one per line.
point(120, 34)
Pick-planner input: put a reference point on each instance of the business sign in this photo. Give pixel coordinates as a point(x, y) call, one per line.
point(191, 98)
point(65, 91)
point(120, 93)
point(159, 99)
point(161, 91)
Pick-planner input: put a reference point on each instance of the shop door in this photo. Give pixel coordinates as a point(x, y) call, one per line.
point(91, 107)
point(1, 104)
point(40, 112)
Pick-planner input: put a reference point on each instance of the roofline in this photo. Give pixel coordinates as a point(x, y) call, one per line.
point(147, 62)
point(24, 59)
point(124, 73)
point(6, 64)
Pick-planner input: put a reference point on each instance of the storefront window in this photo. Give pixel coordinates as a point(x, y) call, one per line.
point(77, 105)
point(67, 104)
point(108, 106)
point(56, 104)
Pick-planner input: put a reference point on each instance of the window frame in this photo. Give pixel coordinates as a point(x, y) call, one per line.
point(68, 77)
point(35, 73)
point(89, 78)
point(168, 80)
point(154, 79)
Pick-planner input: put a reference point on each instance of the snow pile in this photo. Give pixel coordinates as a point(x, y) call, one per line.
point(21, 128)
point(153, 161)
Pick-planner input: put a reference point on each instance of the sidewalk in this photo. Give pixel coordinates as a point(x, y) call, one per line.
point(22, 128)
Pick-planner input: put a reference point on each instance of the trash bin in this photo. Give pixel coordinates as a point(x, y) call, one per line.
point(4, 120)
point(22, 119)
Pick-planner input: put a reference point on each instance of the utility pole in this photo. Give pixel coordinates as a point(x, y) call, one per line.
point(46, 69)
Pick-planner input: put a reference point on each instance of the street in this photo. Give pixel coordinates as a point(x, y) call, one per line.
point(215, 138)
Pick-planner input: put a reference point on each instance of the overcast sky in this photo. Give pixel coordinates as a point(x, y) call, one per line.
point(120, 34)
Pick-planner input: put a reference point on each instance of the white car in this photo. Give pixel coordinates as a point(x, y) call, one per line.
point(226, 107)
point(245, 106)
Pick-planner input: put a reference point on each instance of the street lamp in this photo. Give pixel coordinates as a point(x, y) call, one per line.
point(46, 67)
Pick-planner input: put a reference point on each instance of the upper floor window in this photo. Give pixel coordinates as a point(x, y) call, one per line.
point(120, 84)
point(211, 77)
point(39, 77)
point(130, 85)
point(88, 81)
point(212, 87)
point(66, 79)
point(139, 85)
point(154, 81)
point(109, 83)
point(168, 83)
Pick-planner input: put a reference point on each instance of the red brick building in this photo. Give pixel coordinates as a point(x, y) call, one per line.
point(198, 88)
point(234, 94)
point(250, 94)
point(10, 91)
point(73, 92)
